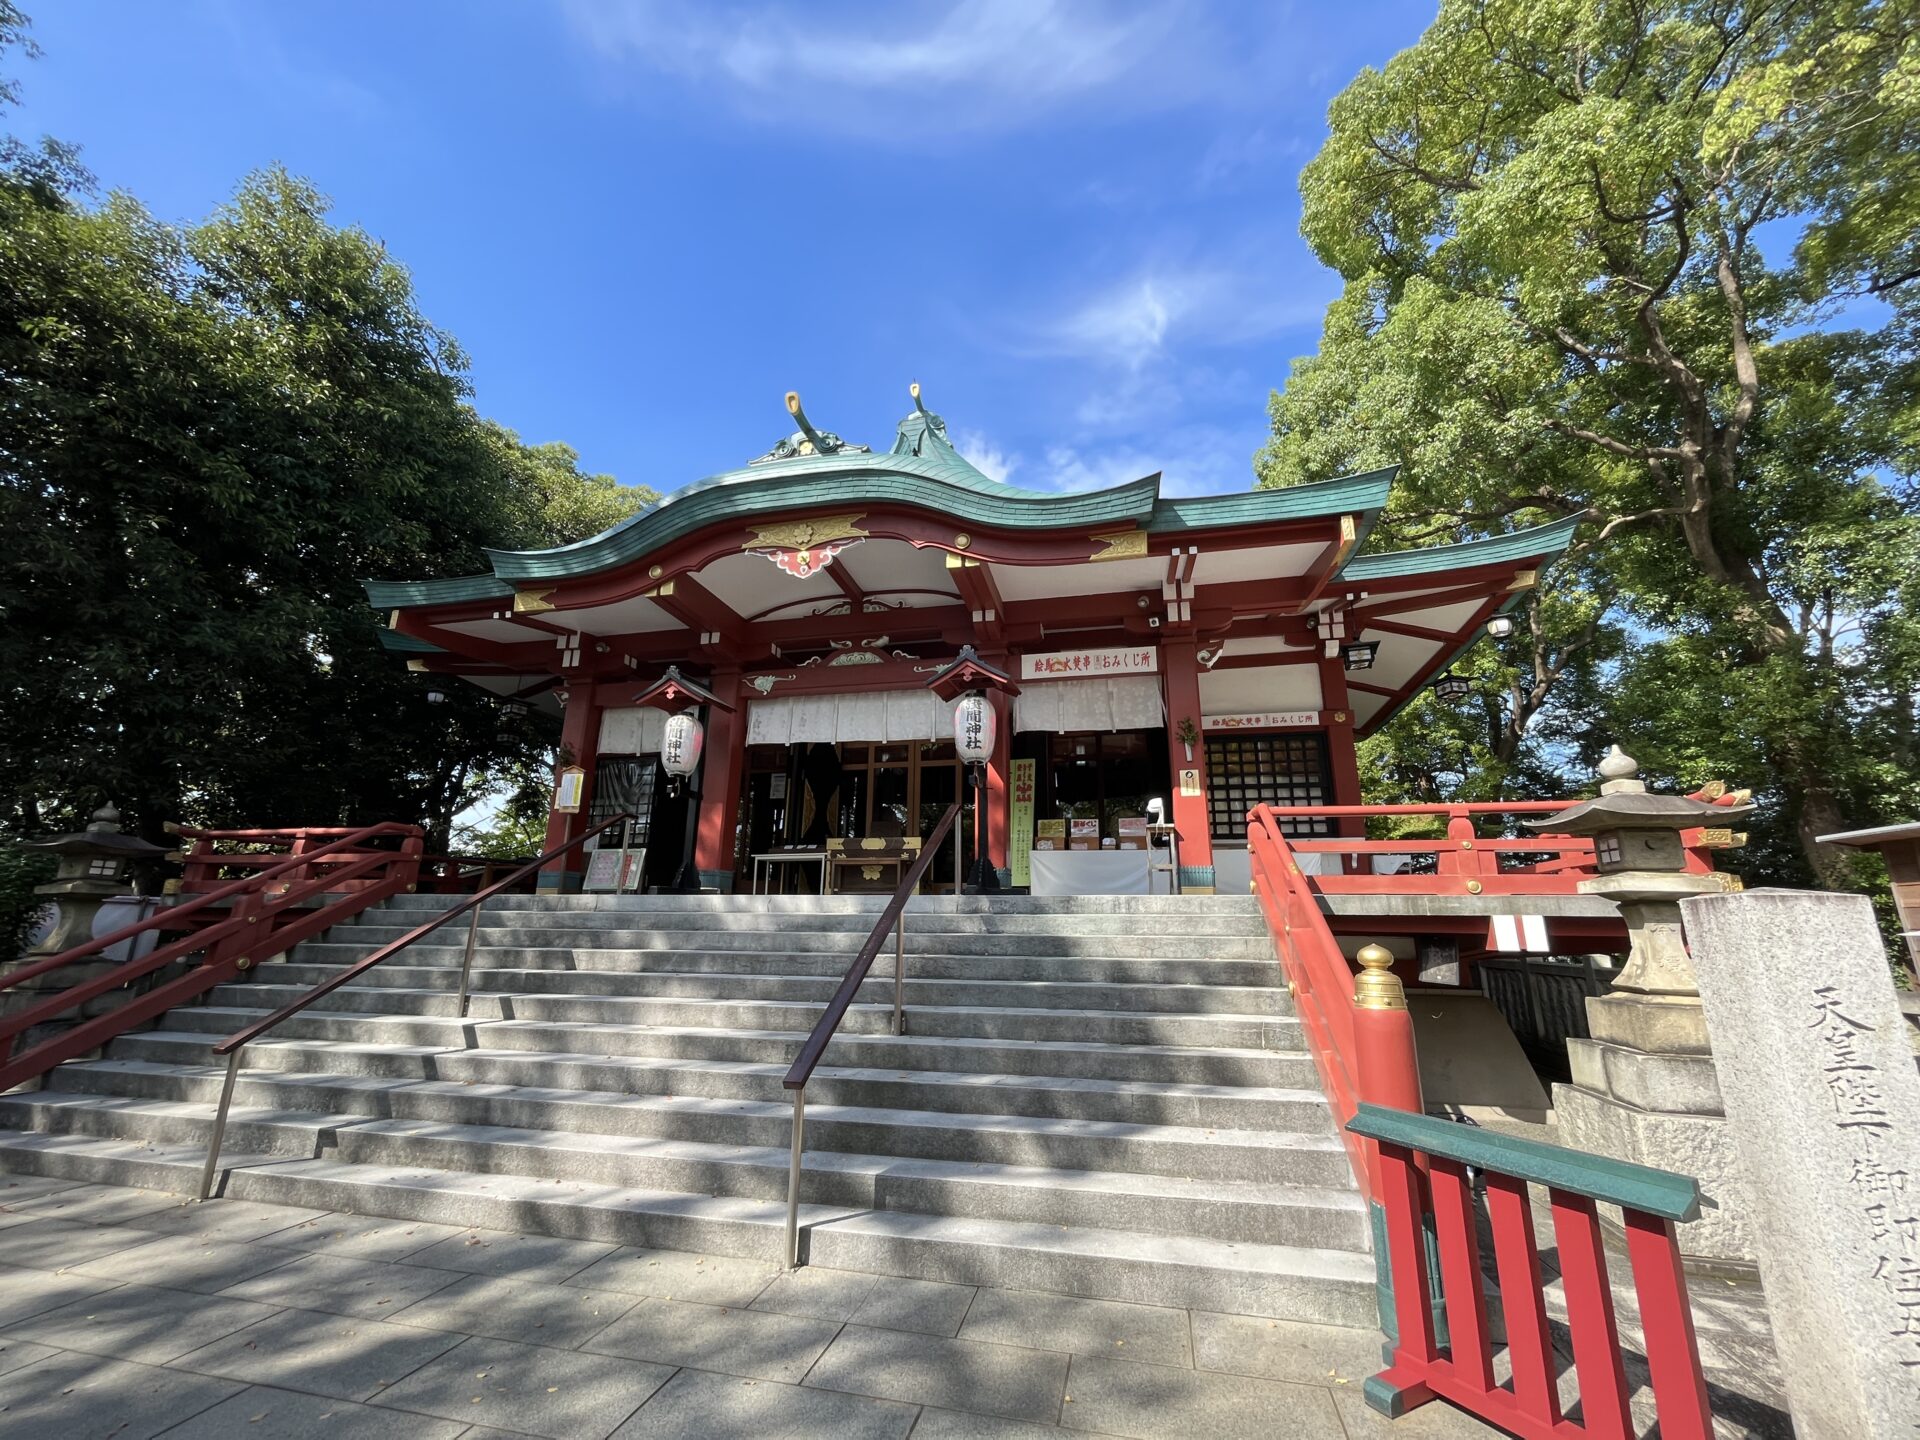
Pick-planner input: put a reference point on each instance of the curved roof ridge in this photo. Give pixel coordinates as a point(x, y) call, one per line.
point(1547, 539)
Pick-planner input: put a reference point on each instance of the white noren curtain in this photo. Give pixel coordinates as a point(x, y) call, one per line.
point(1124, 702)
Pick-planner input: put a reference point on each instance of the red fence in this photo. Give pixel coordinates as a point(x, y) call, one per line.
point(293, 885)
point(1423, 1165)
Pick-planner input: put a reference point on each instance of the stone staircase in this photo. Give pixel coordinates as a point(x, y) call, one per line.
point(1105, 1097)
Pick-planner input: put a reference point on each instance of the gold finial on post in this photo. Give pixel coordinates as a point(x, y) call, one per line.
point(1376, 987)
point(918, 404)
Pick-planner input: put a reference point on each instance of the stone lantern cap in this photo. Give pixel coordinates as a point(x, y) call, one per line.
point(102, 839)
point(1624, 803)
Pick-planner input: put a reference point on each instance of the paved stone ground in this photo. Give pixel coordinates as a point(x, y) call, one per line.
point(128, 1314)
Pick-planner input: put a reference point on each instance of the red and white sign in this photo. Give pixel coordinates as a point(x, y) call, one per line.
point(1084, 664)
point(1263, 720)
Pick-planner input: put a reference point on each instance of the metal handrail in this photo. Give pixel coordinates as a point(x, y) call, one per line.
point(893, 917)
point(235, 1044)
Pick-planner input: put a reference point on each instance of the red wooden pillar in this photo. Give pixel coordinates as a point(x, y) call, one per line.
point(1189, 811)
point(1343, 759)
point(999, 779)
point(579, 745)
point(726, 758)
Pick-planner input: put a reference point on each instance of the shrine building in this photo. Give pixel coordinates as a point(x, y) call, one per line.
point(1208, 652)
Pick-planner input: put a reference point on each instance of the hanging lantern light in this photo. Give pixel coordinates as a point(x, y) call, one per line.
point(973, 729)
point(513, 710)
point(680, 745)
point(1359, 654)
point(1449, 686)
point(436, 697)
point(1500, 626)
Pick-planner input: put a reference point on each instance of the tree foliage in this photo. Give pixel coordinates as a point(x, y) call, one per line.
point(1656, 266)
point(210, 435)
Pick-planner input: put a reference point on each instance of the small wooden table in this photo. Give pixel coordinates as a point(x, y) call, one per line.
point(870, 853)
point(764, 862)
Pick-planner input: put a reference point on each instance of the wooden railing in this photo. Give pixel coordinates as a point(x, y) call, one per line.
point(235, 1044)
point(893, 918)
point(280, 900)
point(1363, 1052)
point(1462, 861)
point(1424, 1172)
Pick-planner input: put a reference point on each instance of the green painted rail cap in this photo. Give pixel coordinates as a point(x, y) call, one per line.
point(1634, 1187)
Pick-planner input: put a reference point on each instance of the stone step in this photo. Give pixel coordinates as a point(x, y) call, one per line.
point(1314, 1284)
point(282, 1117)
point(795, 940)
point(812, 989)
point(1236, 1107)
point(858, 925)
point(1076, 1058)
point(1162, 906)
point(436, 953)
point(1236, 1156)
point(1273, 1032)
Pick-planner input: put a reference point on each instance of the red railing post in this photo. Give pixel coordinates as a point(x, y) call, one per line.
point(1666, 1319)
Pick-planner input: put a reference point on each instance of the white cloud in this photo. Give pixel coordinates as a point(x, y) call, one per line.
point(914, 74)
point(985, 456)
point(1134, 322)
point(1191, 459)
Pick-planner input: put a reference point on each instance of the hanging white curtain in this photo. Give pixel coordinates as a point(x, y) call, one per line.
point(1124, 702)
point(632, 730)
point(872, 716)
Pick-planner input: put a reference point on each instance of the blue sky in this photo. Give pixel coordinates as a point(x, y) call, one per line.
point(1076, 224)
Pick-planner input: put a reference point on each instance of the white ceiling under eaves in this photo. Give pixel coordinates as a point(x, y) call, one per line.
point(1365, 706)
point(624, 617)
point(1443, 617)
point(749, 584)
point(1398, 660)
point(878, 566)
point(504, 631)
point(1266, 562)
point(1054, 582)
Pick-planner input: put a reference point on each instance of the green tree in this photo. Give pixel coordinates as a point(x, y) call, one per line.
point(1549, 218)
point(211, 434)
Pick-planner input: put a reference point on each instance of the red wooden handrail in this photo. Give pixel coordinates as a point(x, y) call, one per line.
point(266, 918)
point(1361, 1054)
point(1424, 1173)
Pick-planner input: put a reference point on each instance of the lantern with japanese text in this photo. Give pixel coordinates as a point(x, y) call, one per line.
point(973, 729)
point(680, 746)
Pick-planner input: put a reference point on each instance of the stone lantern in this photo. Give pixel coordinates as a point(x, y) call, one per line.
point(1644, 1085)
point(96, 865)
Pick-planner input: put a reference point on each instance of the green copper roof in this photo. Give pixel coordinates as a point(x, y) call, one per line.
point(1539, 541)
point(923, 469)
point(398, 644)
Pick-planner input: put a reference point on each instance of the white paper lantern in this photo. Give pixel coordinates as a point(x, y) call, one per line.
point(973, 728)
point(680, 745)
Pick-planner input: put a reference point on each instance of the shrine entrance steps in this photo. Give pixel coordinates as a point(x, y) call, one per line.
point(1105, 1097)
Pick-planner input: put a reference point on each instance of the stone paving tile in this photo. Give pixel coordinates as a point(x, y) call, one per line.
point(958, 1425)
point(536, 1314)
point(1436, 1420)
point(952, 1374)
point(931, 1307)
point(1284, 1349)
point(15, 1188)
point(362, 1237)
point(563, 1395)
point(696, 1405)
point(515, 1257)
point(15, 1353)
point(821, 1294)
point(187, 1262)
point(748, 1343)
point(80, 1397)
point(1153, 1402)
point(100, 1204)
point(231, 1220)
point(680, 1275)
point(1149, 1334)
point(62, 1244)
point(262, 1413)
point(29, 1292)
point(345, 1287)
point(141, 1322)
point(333, 1355)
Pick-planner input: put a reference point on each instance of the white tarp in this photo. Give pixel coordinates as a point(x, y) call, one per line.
point(632, 730)
point(875, 715)
point(1096, 872)
point(1060, 707)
